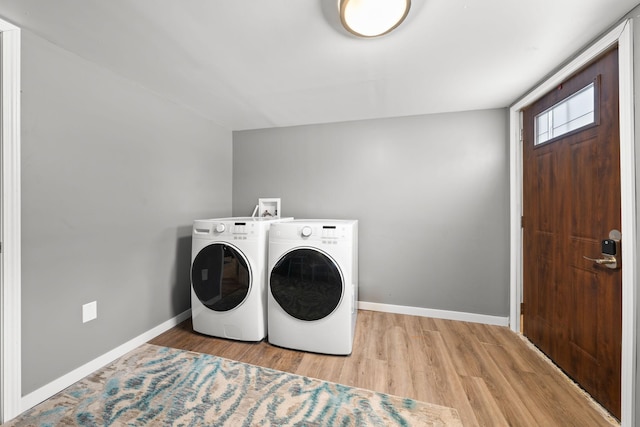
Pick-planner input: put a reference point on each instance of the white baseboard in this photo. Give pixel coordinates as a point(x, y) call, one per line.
point(438, 314)
point(43, 393)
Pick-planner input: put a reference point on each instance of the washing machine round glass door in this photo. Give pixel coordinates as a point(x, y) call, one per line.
point(221, 277)
point(307, 284)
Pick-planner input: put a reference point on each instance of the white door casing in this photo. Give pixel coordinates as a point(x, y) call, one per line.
point(10, 285)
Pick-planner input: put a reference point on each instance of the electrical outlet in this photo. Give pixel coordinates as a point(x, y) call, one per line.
point(89, 311)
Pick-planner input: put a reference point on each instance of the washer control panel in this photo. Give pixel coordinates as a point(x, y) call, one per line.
point(236, 230)
point(241, 230)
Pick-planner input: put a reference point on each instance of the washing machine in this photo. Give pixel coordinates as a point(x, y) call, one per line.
point(229, 276)
point(313, 285)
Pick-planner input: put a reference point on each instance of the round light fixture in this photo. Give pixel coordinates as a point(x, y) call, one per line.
point(372, 18)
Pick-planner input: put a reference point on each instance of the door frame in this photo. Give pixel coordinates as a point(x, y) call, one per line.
point(10, 279)
point(622, 35)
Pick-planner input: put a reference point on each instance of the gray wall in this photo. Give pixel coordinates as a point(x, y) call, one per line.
point(112, 178)
point(431, 194)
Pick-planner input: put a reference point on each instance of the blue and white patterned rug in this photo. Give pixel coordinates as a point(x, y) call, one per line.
point(155, 385)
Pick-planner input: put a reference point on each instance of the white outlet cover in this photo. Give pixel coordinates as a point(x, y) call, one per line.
point(89, 311)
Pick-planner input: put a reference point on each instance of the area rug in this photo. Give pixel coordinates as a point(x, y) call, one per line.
point(162, 386)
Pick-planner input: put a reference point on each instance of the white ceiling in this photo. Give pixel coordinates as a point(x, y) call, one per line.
point(249, 64)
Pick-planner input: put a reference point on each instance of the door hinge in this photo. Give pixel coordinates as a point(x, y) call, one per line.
point(521, 308)
point(522, 221)
point(521, 134)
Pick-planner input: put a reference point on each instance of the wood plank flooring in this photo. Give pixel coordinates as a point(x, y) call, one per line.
point(489, 374)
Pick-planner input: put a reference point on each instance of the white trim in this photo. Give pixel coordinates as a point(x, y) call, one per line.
point(629, 218)
point(48, 390)
point(623, 36)
point(10, 287)
point(515, 191)
point(438, 314)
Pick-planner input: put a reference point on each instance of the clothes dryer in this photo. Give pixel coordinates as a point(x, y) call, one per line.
point(228, 277)
point(313, 285)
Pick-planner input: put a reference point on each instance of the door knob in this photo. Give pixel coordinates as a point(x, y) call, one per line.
point(608, 260)
point(610, 251)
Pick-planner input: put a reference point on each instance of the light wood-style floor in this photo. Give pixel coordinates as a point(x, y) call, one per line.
point(489, 374)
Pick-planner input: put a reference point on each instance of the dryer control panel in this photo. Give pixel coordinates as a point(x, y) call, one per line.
point(327, 233)
point(331, 232)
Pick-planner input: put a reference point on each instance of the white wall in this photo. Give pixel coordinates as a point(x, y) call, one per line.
point(113, 176)
point(431, 194)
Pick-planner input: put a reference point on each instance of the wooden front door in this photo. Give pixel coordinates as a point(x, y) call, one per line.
point(571, 201)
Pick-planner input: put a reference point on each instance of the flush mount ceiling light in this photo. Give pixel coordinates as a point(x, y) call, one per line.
point(372, 18)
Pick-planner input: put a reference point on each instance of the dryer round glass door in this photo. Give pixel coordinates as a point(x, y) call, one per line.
point(221, 277)
point(307, 284)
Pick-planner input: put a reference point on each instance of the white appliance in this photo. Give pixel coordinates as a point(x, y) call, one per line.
point(229, 277)
point(313, 285)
